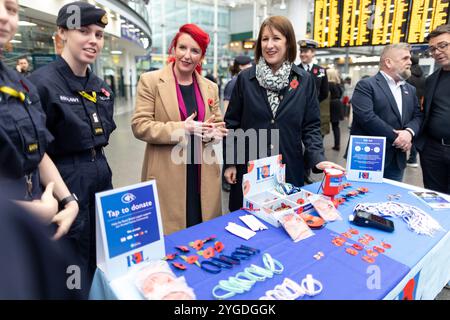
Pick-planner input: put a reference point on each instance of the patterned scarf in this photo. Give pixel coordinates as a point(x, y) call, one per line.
point(273, 83)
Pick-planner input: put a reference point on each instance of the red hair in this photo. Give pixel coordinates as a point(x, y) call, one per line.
point(200, 36)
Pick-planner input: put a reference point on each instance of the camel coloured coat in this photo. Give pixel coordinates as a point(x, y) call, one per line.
point(157, 121)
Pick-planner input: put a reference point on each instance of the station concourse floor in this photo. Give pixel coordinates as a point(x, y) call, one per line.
point(125, 154)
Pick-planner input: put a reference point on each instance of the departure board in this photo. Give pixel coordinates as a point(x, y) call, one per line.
point(343, 23)
point(390, 21)
point(426, 15)
point(320, 19)
point(327, 19)
point(348, 25)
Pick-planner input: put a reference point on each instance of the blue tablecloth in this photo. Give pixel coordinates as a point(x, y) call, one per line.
point(408, 247)
point(343, 276)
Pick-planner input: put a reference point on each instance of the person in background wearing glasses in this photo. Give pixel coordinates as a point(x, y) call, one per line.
point(434, 142)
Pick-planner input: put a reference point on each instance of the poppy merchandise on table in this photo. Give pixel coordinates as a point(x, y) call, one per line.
point(244, 281)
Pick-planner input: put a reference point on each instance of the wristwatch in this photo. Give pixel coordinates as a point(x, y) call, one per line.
point(66, 200)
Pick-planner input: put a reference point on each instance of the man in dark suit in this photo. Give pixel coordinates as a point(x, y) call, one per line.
point(434, 142)
point(307, 53)
point(386, 105)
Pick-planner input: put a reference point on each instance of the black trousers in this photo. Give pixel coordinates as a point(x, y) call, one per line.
point(435, 162)
point(85, 176)
point(337, 134)
point(236, 196)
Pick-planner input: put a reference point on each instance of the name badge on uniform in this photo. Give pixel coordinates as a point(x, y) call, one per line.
point(103, 98)
point(68, 99)
point(96, 124)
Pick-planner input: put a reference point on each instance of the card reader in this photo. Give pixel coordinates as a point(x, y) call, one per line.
point(366, 219)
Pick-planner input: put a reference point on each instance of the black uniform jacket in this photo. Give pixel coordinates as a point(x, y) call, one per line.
point(23, 135)
point(77, 123)
point(320, 77)
point(296, 123)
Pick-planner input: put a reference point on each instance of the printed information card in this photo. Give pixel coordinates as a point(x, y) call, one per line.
point(129, 228)
point(365, 159)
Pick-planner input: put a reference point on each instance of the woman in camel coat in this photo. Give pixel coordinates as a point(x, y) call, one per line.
point(177, 113)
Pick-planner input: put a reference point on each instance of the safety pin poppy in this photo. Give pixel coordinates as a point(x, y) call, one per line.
point(210, 238)
point(379, 249)
point(218, 246)
point(207, 253)
point(351, 251)
point(191, 259)
point(179, 265)
point(372, 253)
point(363, 190)
point(347, 185)
point(197, 244)
point(369, 237)
point(170, 256)
point(368, 259)
point(385, 245)
point(183, 248)
point(338, 241)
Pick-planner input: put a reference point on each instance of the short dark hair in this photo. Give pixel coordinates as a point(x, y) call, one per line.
point(284, 26)
point(21, 58)
point(445, 28)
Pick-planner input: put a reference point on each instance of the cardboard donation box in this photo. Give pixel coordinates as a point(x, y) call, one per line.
point(260, 191)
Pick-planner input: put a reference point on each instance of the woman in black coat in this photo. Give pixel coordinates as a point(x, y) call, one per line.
point(275, 105)
point(336, 106)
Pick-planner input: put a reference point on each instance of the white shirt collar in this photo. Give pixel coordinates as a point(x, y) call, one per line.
point(391, 81)
point(306, 65)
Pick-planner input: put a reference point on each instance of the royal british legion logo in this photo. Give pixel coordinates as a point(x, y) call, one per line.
point(135, 258)
point(263, 172)
point(364, 175)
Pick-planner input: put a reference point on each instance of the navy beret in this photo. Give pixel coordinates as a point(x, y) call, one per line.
point(308, 44)
point(88, 14)
point(242, 60)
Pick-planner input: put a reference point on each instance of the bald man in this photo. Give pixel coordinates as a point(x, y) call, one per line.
point(386, 105)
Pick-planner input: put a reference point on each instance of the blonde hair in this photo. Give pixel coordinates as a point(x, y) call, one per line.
point(333, 76)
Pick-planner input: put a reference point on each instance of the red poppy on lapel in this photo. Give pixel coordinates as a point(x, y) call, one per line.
point(294, 84)
point(210, 103)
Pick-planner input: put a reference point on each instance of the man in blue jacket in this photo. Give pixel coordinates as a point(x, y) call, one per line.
point(386, 105)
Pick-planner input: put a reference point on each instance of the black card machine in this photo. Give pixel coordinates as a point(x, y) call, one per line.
point(366, 219)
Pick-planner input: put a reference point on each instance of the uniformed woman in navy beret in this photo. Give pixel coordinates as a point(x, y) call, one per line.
point(79, 108)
